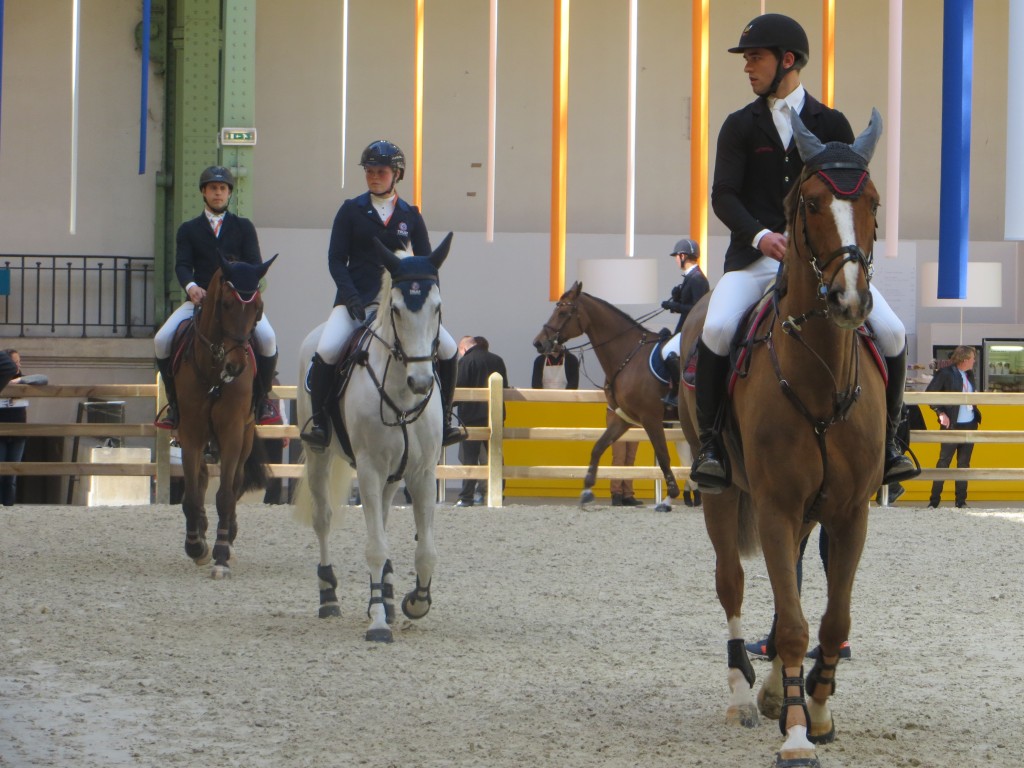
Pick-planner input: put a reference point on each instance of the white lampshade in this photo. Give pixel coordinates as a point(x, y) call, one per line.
point(620, 281)
point(984, 285)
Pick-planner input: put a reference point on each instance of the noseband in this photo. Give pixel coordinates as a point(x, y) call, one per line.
point(557, 332)
point(847, 253)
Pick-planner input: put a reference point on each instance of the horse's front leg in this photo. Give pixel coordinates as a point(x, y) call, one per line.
point(223, 551)
point(193, 504)
point(381, 610)
point(318, 470)
point(724, 520)
point(616, 429)
point(416, 603)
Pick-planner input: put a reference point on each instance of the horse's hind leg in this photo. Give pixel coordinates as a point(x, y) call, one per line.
point(725, 515)
point(416, 603)
point(616, 429)
point(317, 470)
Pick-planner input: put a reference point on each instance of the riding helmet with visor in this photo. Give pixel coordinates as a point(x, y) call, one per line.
point(777, 33)
point(216, 173)
point(688, 248)
point(383, 152)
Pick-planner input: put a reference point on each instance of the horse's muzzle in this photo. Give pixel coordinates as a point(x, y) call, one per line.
point(420, 385)
point(849, 309)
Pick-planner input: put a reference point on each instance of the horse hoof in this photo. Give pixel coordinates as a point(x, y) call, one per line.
point(220, 572)
point(410, 609)
point(331, 611)
point(203, 559)
point(379, 635)
point(745, 715)
point(663, 506)
point(673, 491)
point(587, 497)
point(797, 758)
point(823, 738)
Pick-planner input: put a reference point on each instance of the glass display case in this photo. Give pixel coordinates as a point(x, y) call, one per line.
point(1002, 365)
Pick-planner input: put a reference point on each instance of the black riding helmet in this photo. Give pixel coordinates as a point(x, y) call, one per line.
point(216, 173)
point(777, 33)
point(687, 247)
point(383, 152)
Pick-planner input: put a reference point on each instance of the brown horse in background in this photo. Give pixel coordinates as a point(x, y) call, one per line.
point(634, 394)
point(805, 433)
point(215, 400)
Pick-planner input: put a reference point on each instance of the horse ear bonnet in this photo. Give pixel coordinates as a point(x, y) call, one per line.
point(414, 276)
point(841, 168)
point(244, 278)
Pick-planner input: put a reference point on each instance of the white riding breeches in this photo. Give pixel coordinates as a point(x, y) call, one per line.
point(264, 338)
point(340, 326)
point(737, 291)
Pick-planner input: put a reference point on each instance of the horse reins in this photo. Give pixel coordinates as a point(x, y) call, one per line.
point(218, 351)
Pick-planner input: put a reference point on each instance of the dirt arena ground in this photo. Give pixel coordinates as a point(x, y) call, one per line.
point(558, 637)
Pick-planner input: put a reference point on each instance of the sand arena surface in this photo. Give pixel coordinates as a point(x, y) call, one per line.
point(557, 638)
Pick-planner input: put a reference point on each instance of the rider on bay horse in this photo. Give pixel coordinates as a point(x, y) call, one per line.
point(202, 241)
point(377, 214)
point(754, 170)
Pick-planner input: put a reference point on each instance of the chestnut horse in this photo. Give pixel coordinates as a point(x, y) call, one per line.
point(805, 433)
point(623, 348)
point(215, 400)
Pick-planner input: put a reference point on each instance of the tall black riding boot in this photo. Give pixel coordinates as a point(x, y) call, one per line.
point(898, 467)
point(446, 370)
point(318, 432)
point(672, 365)
point(266, 369)
point(710, 469)
point(169, 420)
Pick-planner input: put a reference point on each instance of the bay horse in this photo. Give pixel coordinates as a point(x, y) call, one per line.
point(215, 401)
point(390, 406)
point(805, 433)
point(634, 394)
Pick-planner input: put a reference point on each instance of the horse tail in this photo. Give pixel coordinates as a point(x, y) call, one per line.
point(747, 539)
point(339, 487)
point(254, 473)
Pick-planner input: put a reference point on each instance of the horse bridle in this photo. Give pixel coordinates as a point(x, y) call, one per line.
point(848, 253)
point(218, 350)
point(557, 332)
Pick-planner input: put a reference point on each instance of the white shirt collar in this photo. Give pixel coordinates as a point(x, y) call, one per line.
point(795, 99)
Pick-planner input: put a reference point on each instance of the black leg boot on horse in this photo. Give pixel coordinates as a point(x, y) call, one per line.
point(318, 433)
point(169, 418)
point(710, 468)
point(671, 400)
point(446, 370)
point(266, 411)
point(898, 468)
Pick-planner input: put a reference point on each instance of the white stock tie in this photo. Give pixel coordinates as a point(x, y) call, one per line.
point(780, 114)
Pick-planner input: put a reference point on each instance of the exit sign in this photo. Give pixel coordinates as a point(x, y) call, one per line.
point(237, 137)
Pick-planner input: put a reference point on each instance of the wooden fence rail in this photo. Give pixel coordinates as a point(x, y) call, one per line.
point(494, 472)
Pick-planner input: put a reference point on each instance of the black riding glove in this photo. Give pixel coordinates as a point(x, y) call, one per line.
point(356, 309)
point(671, 306)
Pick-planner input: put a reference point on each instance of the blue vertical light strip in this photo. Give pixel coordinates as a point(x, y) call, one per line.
point(954, 195)
point(144, 98)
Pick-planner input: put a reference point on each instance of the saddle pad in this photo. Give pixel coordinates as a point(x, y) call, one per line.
point(657, 363)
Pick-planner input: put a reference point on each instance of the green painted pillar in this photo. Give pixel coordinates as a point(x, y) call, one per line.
point(238, 95)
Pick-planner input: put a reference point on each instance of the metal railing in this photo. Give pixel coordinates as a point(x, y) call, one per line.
point(76, 296)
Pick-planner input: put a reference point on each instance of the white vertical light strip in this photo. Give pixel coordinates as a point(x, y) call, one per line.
point(631, 134)
point(1014, 219)
point(344, 86)
point(76, 16)
point(492, 117)
point(892, 140)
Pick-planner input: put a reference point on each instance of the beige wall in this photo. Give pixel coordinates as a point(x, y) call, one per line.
point(297, 163)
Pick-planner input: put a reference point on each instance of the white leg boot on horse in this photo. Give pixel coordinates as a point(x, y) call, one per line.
point(710, 469)
point(318, 434)
point(898, 468)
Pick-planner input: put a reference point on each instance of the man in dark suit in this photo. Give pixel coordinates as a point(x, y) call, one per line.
point(684, 296)
point(475, 368)
point(201, 243)
point(756, 165)
point(958, 376)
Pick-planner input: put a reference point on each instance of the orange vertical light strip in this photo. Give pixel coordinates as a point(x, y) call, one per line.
point(699, 128)
point(559, 147)
point(417, 179)
point(828, 52)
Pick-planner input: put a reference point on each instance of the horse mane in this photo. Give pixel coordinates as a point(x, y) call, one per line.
point(383, 299)
point(616, 310)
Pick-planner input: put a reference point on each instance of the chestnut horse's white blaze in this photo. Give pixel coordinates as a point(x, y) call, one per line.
point(842, 215)
point(391, 408)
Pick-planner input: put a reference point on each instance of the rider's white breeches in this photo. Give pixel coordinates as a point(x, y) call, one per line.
point(263, 336)
point(340, 326)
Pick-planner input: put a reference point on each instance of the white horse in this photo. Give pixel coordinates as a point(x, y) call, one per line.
point(391, 408)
